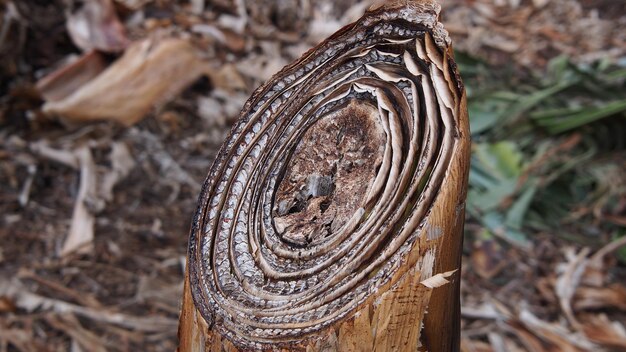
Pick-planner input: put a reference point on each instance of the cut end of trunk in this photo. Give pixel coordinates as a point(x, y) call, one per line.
point(332, 217)
point(328, 174)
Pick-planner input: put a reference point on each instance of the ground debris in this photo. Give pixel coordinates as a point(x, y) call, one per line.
point(149, 73)
point(577, 326)
point(96, 26)
point(95, 212)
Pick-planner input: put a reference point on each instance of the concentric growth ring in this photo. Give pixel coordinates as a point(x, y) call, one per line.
point(322, 187)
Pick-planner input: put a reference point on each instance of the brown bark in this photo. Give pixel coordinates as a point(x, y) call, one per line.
point(332, 218)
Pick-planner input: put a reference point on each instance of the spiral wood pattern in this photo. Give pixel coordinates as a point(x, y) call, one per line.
point(327, 180)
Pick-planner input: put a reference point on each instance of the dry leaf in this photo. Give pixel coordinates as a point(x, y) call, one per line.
point(72, 327)
point(64, 81)
point(485, 311)
point(96, 26)
point(24, 299)
point(80, 237)
point(601, 330)
point(85, 299)
point(528, 339)
point(148, 74)
point(61, 156)
point(556, 334)
point(95, 190)
point(611, 297)
point(596, 273)
point(497, 342)
point(569, 279)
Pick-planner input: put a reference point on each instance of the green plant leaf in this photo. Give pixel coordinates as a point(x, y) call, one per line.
point(561, 120)
point(516, 213)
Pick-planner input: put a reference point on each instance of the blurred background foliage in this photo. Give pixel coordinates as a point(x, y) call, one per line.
point(548, 152)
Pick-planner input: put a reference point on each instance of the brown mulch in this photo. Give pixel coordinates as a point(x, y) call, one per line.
point(119, 288)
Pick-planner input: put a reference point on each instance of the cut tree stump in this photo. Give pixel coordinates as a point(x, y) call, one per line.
point(332, 217)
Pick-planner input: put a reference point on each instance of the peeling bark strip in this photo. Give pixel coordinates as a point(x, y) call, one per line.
point(332, 218)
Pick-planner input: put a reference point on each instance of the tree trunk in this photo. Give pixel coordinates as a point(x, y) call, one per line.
point(332, 217)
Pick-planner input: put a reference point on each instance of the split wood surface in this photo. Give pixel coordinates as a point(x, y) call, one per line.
point(332, 217)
